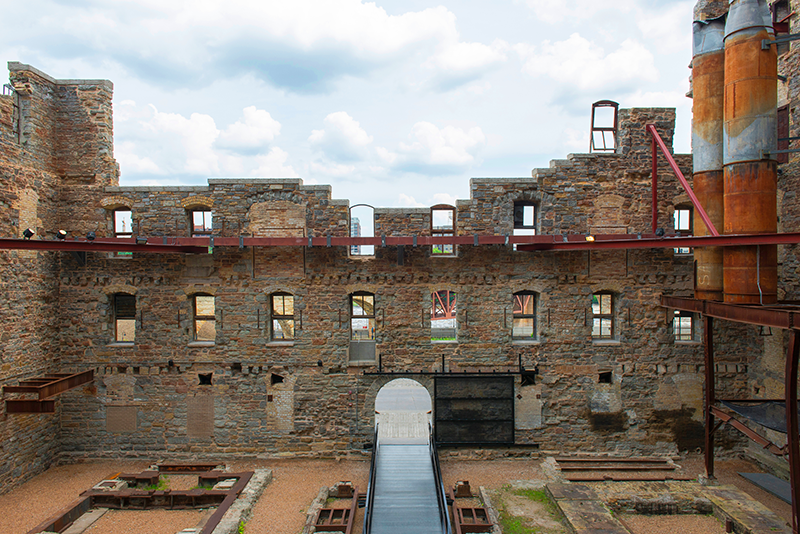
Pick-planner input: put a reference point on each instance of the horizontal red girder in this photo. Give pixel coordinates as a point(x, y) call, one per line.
point(199, 245)
point(758, 315)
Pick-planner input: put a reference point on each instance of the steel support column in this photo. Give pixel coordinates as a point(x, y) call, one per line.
point(708, 342)
point(792, 436)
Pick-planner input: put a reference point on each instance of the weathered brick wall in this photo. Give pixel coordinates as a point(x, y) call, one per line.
point(30, 186)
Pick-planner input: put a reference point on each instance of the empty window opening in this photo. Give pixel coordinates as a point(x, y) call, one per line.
point(602, 316)
point(443, 224)
point(683, 326)
point(444, 324)
point(275, 379)
point(362, 224)
point(362, 316)
point(524, 219)
point(236, 367)
point(202, 222)
point(123, 226)
point(204, 318)
point(605, 377)
point(282, 310)
point(604, 126)
point(524, 325)
point(124, 318)
point(269, 398)
point(683, 226)
point(204, 378)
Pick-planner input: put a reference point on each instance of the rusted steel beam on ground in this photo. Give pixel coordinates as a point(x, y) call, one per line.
point(747, 431)
point(30, 406)
point(772, 317)
point(64, 518)
point(792, 427)
point(190, 469)
point(233, 494)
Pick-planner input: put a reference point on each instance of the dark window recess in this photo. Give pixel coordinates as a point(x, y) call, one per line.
point(269, 398)
point(205, 378)
point(604, 377)
point(236, 367)
point(276, 379)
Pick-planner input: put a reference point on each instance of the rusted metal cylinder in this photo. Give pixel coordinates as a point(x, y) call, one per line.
point(708, 84)
point(750, 274)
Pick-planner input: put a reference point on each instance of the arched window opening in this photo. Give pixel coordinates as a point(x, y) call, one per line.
point(362, 224)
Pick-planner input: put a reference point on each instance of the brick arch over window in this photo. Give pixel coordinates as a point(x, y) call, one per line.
point(116, 202)
point(197, 202)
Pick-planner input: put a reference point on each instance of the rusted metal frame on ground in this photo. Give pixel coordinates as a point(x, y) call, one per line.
point(792, 427)
point(233, 494)
point(755, 315)
point(632, 459)
point(188, 469)
point(327, 516)
point(468, 520)
point(747, 431)
point(618, 468)
point(62, 520)
point(651, 129)
point(708, 352)
point(628, 478)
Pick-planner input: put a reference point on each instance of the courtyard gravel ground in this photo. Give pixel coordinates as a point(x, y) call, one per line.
point(283, 505)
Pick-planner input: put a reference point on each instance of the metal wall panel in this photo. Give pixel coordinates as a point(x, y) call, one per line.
point(474, 410)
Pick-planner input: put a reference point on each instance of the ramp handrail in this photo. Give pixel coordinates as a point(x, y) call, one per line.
point(371, 485)
point(444, 515)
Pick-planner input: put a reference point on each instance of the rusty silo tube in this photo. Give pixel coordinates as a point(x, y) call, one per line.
point(708, 84)
point(750, 180)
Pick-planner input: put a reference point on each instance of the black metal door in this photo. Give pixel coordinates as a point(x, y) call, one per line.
point(474, 410)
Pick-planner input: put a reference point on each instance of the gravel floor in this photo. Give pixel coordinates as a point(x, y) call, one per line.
point(282, 507)
point(670, 524)
point(149, 521)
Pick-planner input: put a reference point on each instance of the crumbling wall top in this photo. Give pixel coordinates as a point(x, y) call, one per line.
point(16, 66)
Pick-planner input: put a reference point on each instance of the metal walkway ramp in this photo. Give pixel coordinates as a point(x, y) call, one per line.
point(406, 492)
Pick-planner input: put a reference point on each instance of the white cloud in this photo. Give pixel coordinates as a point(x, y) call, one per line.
point(468, 57)
point(582, 64)
point(449, 147)
point(407, 201)
point(444, 198)
point(670, 28)
point(273, 165)
point(342, 139)
point(153, 142)
point(554, 11)
point(254, 130)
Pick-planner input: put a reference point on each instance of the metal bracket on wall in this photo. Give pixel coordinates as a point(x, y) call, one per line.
point(765, 43)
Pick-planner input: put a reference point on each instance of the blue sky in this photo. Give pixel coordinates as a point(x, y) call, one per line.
point(392, 103)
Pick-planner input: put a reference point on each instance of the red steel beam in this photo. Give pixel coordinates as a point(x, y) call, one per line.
point(708, 342)
point(750, 433)
point(688, 188)
point(98, 245)
point(199, 245)
point(49, 387)
point(787, 319)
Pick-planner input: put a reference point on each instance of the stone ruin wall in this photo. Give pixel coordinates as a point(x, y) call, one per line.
point(60, 317)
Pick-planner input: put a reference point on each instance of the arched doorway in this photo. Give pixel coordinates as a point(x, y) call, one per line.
point(403, 412)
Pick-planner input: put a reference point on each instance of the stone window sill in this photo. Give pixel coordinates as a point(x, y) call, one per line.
point(606, 342)
point(526, 342)
point(121, 344)
point(280, 344)
point(201, 344)
point(691, 343)
point(444, 342)
point(362, 363)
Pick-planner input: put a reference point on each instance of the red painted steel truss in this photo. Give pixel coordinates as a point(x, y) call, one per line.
point(45, 387)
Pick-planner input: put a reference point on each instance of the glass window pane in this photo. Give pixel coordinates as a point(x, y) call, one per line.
point(126, 330)
point(205, 330)
point(442, 219)
point(595, 304)
point(527, 215)
point(523, 328)
point(362, 329)
point(605, 304)
point(596, 327)
point(363, 305)
point(283, 329)
point(605, 328)
point(204, 305)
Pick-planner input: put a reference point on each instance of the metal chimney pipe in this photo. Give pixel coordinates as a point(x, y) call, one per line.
point(708, 85)
point(750, 129)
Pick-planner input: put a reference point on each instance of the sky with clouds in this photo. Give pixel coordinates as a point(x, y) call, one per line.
point(393, 103)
